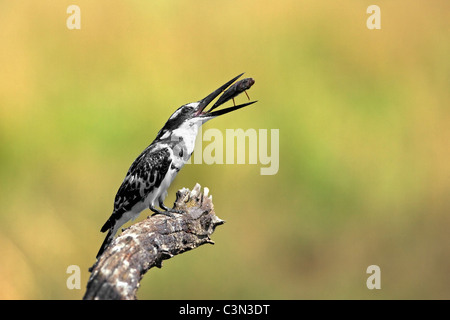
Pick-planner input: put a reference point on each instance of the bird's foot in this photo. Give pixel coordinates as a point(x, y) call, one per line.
point(173, 210)
point(166, 213)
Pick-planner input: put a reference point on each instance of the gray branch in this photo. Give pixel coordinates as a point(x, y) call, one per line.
point(119, 270)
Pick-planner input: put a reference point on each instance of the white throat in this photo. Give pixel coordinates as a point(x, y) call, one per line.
point(188, 133)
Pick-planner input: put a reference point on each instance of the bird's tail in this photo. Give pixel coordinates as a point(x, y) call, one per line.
point(106, 242)
point(108, 224)
point(111, 225)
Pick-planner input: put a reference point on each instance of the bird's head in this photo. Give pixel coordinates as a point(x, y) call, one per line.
point(192, 115)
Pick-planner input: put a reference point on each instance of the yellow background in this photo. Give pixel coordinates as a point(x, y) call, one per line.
point(363, 115)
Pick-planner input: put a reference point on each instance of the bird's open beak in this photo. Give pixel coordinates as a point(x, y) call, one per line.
point(232, 92)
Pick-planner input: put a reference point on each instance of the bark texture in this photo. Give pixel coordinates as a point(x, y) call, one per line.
point(119, 270)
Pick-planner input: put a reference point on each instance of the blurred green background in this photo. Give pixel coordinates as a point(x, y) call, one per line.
point(363, 116)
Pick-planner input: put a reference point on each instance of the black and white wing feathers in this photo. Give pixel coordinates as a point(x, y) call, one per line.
point(145, 174)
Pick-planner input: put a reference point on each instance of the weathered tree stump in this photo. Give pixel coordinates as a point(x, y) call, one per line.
point(119, 270)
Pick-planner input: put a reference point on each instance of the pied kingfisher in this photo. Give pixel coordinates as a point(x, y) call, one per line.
point(151, 174)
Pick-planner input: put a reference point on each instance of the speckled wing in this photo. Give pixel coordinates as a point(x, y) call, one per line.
point(145, 174)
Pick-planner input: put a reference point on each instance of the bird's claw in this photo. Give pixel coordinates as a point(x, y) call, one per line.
point(166, 213)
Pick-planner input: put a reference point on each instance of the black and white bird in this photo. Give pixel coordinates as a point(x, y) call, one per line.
point(150, 175)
